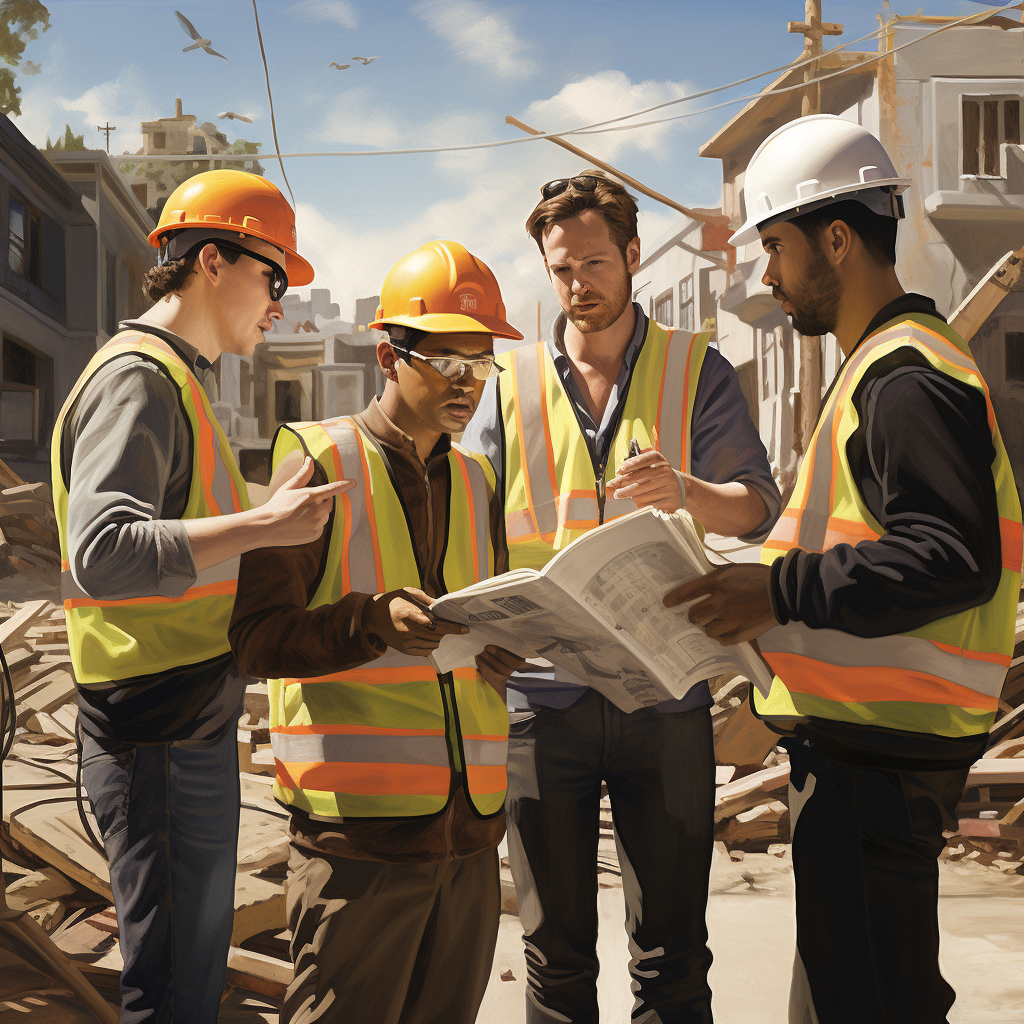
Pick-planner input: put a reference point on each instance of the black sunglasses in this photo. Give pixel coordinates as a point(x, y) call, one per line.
point(278, 277)
point(581, 183)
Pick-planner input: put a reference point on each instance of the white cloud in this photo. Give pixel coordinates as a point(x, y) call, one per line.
point(338, 11)
point(480, 34)
point(355, 119)
point(488, 193)
point(124, 101)
point(602, 97)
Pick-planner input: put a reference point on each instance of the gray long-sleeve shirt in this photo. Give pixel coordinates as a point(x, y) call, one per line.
point(725, 447)
point(126, 458)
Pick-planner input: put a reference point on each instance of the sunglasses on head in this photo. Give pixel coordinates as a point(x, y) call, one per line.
point(580, 182)
point(453, 368)
point(278, 277)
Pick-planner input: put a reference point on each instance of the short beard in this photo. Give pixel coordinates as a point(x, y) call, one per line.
point(816, 302)
point(617, 304)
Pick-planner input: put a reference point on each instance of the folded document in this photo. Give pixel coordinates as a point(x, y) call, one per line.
point(595, 612)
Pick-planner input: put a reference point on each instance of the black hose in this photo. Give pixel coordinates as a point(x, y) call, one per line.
point(8, 722)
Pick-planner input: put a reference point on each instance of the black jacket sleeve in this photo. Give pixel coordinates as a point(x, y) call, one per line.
point(922, 456)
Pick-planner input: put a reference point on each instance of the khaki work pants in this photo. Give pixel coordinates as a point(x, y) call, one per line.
point(377, 943)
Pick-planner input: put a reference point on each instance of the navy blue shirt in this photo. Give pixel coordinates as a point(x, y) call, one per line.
point(725, 447)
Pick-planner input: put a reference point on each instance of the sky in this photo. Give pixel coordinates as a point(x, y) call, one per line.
point(447, 72)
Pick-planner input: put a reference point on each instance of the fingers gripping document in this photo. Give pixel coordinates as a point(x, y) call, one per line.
point(595, 612)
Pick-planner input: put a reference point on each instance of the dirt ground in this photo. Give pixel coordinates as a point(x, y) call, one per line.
point(750, 918)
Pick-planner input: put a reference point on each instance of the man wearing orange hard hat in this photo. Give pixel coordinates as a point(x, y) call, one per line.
point(153, 515)
point(394, 774)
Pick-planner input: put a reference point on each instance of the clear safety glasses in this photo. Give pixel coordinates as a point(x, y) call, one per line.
point(453, 368)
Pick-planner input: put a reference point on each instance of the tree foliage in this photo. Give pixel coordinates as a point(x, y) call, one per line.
point(20, 21)
point(69, 140)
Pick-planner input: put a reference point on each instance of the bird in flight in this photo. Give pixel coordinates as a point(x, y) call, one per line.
point(364, 60)
point(200, 43)
point(232, 116)
point(340, 67)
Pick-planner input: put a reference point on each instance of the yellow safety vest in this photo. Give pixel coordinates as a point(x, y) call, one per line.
point(112, 640)
point(943, 678)
point(552, 495)
point(391, 738)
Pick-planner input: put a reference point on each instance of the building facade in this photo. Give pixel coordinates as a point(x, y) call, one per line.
point(947, 107)
point(76, 251)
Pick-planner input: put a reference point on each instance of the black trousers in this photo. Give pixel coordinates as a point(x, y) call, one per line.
point(865, 856)
point(660, 771)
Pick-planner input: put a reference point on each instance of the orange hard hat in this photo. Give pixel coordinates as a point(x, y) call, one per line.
point(235, 201)
point(442, 288)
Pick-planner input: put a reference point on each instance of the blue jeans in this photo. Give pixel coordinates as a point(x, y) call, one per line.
point(168, 816)
point(660, 771)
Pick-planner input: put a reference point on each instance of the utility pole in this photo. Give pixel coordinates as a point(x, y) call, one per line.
point(813, 31)
point(108, 129)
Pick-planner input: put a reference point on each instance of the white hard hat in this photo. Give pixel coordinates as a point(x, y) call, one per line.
point(812, 161)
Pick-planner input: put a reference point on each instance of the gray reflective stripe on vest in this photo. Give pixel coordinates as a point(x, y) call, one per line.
point(492, 753)
point(222, 572)
point(540, 496)
point(481, 509)
point(220, 486)
point(316, 748)
point(913, 654)
point(361, 564)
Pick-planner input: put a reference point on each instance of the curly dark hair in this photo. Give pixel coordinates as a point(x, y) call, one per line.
point(173, 276)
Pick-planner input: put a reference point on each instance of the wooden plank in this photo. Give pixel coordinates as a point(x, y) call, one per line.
point(744, 793)
point(8, 478)
point(17, 623)
point(46, 694)
point(997, 771)
point(54, 833)
point(743, 738)
point(259, 973)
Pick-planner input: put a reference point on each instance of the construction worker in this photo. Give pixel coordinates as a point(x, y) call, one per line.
point(152, 514)
point(393, 773)
point(896, 566)
point(557, 428)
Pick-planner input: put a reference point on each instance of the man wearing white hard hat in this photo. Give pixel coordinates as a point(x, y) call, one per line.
point(896, 566)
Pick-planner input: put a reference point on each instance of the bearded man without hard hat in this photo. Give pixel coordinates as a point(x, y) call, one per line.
point(896, 566)
point(394, 774)
point(557, 429)
point(152, 514)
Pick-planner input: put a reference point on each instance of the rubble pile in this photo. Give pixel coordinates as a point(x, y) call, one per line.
point(56, 873)
point(28, 527)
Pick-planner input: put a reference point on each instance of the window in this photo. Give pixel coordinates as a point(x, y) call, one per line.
point(23, 253)
point(110, 318)
point(988, 122)
point(26, 398)
point(686, 303)
point(159, 140)
point(663, 308)
point(1014, 355)
point(287, 401)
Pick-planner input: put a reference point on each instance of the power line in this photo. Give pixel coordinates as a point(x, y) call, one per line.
point(270, 97)
point(611, 125)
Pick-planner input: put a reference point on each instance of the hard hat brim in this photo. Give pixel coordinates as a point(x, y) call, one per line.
point(452, 323)
point(299, 270)
point(750, 231)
